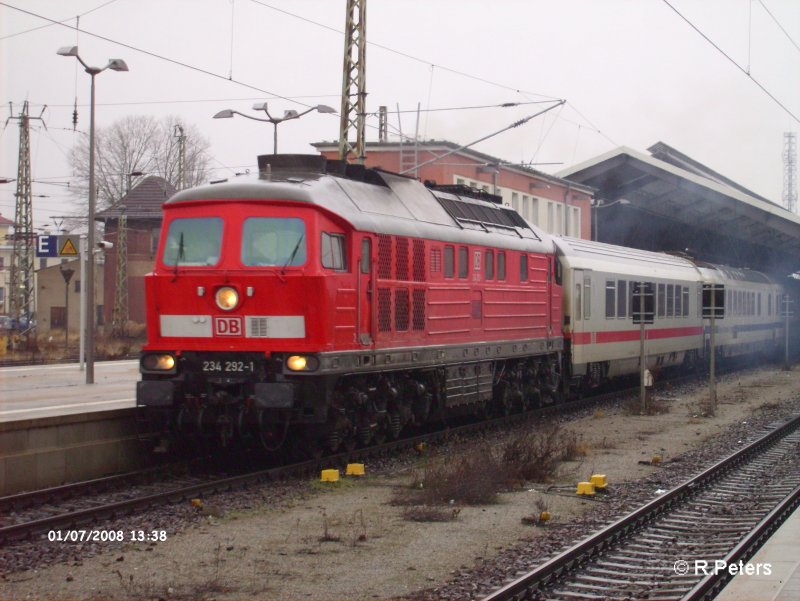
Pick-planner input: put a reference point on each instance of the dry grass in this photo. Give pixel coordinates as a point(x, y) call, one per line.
point(473, 478)
point(535, 456)
point(426, 513)
point(476, 477)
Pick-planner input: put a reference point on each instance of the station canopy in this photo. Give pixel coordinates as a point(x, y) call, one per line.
point(668, 202)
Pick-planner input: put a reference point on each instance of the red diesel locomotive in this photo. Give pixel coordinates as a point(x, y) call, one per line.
point(331, 304)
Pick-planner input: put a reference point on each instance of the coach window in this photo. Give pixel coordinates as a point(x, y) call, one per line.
point(501, 266)
point(678, 310)
point(523, 268)
point(670, 300)
point(769, 304)
point(622, 299)
point(333, 256)
point(758, 296)
point(489, 265)
point(449, 261)
point(686, 301)
point(611, 297)
point(463, 262)
point(662, 298)
point(194, 241)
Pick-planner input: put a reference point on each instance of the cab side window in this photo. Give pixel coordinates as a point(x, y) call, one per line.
point(333, 251)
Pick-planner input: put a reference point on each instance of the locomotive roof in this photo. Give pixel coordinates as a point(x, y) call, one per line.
point(378, 201)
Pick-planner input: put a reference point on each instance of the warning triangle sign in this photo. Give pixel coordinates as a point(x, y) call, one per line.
point(68, 248)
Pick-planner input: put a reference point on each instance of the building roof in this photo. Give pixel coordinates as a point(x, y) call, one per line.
point(4, 221)
point(676, 203)
point(143, 201)
point(445, 146)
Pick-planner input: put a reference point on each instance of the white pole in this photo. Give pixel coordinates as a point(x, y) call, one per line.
point(82, 246)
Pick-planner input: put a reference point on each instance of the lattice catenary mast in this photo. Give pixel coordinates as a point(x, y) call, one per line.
point(790, 171)
point(22, 295)
point(354, 93)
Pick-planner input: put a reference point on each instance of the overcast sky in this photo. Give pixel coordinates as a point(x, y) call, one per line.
point(633, 72)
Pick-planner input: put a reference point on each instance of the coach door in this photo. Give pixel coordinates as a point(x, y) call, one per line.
point(580, 310)
point(366, 293)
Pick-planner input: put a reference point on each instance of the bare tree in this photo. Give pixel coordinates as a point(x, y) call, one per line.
point(138, 143)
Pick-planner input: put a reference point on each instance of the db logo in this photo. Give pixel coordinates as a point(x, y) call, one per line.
point(228, 326)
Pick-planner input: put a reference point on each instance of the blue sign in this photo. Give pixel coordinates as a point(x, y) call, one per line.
point(46, 246)
point(57, 246)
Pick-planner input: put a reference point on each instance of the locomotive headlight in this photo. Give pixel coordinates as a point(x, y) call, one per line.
point(158, 362)
point(227, 298)
point(296, 363)
point(302, 363)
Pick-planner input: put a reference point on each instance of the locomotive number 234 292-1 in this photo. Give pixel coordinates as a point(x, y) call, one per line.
point(218, 366)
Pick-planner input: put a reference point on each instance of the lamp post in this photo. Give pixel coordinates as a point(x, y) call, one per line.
point(287, 115)
point(601, 204)
point(115, 64)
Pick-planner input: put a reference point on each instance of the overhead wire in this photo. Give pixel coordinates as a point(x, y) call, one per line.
point(731, 60)
point(786, 33)
point(155, 55)
point(11, 35)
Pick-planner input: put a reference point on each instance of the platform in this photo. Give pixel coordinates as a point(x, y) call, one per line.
point(782, 554)
point(34, 392)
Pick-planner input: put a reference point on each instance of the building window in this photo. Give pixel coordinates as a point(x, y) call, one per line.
point(535, 211)
point(77, 286)
point(550, 225)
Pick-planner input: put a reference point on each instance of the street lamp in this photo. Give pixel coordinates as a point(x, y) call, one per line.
point(287, 115)
point(115, 64)
point(601, 204)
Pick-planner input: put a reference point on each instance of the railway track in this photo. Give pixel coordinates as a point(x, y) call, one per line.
point(31, 514)
point(679, 546)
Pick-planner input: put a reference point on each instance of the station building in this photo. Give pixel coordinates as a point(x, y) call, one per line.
point(141, 207)
point(666, 201)
point(6, 250)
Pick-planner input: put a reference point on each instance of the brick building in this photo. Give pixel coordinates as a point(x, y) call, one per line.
point(556, 205)
point(142, 208)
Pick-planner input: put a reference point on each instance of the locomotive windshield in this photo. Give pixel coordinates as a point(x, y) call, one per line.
point(193, 242)
point(273, 241)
